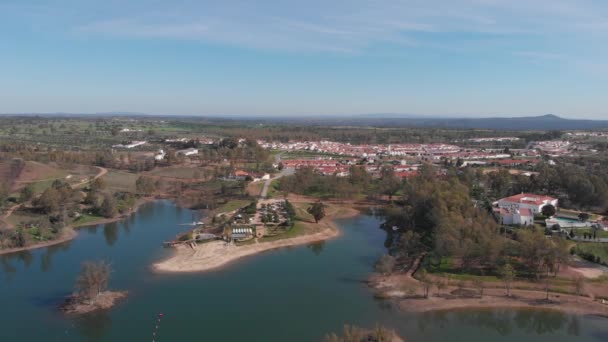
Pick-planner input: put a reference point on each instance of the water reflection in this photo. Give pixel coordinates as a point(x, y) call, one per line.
point(504, 321)
point(110, 232)
point(316, 247)
point(94, 326)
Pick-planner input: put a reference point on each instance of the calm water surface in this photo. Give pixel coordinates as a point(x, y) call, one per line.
point(292, 294)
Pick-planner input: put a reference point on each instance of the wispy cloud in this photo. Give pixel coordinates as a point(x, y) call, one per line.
point(320, 25)
point(537, 55)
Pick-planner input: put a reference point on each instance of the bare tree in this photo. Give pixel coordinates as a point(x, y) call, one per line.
point(386, 264)
point(507, 273)
point(441, 285)
point(92, 280)
point(479, 285)
point(427, 282)
point(579, 285)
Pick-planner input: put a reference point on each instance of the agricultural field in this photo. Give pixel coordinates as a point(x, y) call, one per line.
point(41, 175)
point(120, 181)
point(179, 172)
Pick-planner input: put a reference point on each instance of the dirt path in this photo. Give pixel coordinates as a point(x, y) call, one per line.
point(8, 213)
point(101, 173)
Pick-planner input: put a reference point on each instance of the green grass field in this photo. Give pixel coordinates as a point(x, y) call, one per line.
point(233, 205)
point(596, 248)
point(86, 219)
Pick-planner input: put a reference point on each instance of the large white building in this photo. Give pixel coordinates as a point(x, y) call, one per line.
point(520, 209)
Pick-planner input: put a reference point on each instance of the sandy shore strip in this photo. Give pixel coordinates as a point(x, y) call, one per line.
point(520, 299)
point(219, 253)
point(212, 255)
point(399, 287)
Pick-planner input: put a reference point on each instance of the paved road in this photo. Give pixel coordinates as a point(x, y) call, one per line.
point(284, 172)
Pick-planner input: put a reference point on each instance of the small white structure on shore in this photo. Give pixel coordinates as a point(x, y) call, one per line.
point(130, 145)
point(188, 152)
point(160, 155)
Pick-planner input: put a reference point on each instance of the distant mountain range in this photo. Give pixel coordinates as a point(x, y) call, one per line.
point(543, 122)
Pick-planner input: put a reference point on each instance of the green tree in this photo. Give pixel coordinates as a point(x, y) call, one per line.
point(317, 210)
point(49, 201)
point(27, 193)
point(108, 206)
point(548, 210)
point(389, 183)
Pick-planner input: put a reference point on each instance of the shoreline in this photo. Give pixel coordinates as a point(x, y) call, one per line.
point(71, 231)
point(396, 287)
point(213, 255)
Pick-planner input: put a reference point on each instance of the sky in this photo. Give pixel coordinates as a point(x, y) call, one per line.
point(297, 58)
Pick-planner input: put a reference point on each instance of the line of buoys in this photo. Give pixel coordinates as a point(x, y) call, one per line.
point(160, 315)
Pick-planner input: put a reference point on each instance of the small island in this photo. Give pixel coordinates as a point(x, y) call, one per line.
point(91, 290)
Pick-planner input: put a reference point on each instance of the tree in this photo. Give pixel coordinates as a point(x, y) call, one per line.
point(385, 264)
point(389, 183)
point(49, 201)
point(27, 193)
point(584, 217)
point(426, 282)
point(507, 273)
point(92, 280)
point(98, 184)
point(479, 285)
point(108, 206)
point(548, 210)
point(579, 285)
point(145, 185)
point(317, 210)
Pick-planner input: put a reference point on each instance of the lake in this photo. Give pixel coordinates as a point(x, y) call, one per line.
point(291, 294)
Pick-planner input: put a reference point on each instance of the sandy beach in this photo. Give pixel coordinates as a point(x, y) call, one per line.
point(211, 255)
point(219, 253)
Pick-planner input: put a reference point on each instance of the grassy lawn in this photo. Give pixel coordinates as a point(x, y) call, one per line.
point(298, 229)
point(86, 219)
point(120, 181)
point(574, 213)
point(40, 187)
point(446, 267)
point(233, 205)
point(19, 217)
point(600, 233)
point(273, 189)
point(596, 248)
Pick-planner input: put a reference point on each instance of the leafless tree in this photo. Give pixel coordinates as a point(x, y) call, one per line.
point(92, 280)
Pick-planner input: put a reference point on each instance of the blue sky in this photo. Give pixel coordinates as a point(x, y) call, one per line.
point(315, 57)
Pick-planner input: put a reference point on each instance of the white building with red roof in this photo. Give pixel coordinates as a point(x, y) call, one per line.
point(530, 201)
point(520, 209)
point(515, 216)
